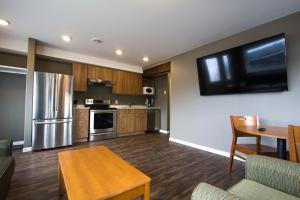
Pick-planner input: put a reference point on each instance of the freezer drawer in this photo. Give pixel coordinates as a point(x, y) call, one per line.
point(51, 133)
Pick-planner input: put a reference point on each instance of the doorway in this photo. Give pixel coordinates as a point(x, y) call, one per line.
point(12, 106)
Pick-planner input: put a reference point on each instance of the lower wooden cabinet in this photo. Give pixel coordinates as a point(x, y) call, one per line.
point(80, 125)
point(131, 121)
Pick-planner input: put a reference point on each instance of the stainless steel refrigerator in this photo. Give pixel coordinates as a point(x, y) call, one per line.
point(52, 110)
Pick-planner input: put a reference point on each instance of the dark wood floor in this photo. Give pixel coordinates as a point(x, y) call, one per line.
point(175, 169)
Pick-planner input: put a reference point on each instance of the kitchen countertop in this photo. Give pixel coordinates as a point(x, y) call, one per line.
point(80, 106)
point(133, 107)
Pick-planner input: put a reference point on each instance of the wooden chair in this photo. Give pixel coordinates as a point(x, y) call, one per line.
point(247, 149)
point(294, 143)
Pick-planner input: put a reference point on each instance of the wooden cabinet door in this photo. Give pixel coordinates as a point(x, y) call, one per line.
point(93, 72)
point(122, 115)
point(80, 124)
point(131, 121)
point(137, 84)
point(127, 83)
point(100, 73)
point(140, 121)
point(108, 74)
point(80, 77)
point(120, 82)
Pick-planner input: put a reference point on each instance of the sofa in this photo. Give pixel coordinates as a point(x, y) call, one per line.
point(7, 167)
point(265, 178)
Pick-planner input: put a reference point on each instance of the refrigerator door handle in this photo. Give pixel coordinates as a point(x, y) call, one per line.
point(52, 122)
point(56, 94)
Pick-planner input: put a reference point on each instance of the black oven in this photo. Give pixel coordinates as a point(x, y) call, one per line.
point(102, 124)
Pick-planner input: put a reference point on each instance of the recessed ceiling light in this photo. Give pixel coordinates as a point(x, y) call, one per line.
point(66, 38)
point(96, 40)
point(119, 52)
point(4, 22)
point(145, 59)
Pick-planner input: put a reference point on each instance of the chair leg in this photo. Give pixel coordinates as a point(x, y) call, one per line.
point(232, 151)
point(258, 139)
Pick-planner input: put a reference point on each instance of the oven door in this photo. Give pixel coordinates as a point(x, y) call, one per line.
point(102, 121)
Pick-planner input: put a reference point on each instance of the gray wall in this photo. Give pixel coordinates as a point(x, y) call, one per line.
point(204, 120)
point(161, 99)
point(12, 106)
point(101, 92)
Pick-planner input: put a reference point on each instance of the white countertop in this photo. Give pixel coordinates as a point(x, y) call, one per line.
point(132, 107)
point(80, 106)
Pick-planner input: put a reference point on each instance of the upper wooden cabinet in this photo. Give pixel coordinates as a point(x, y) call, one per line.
point(157, 70)
point(123, 82)
point(80, 77)
point(127, 83)
point(100, 73)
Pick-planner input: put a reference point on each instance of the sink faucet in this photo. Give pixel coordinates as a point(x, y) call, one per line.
point(130, 104)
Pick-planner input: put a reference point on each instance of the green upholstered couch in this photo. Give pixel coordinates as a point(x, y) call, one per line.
point(266, 178)
point(7, 167)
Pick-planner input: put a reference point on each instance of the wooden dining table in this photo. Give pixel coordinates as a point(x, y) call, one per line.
point(279, 133)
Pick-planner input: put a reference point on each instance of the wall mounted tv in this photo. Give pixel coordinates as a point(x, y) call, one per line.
point(256, 67)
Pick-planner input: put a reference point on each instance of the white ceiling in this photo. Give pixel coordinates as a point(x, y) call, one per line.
point(158, 29)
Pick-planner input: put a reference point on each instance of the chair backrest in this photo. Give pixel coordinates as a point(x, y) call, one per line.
point(242, 121)
point(294, 143)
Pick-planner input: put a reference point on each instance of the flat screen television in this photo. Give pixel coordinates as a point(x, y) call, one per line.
point(256, 67)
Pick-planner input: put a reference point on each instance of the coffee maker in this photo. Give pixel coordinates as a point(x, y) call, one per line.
point(149, 102)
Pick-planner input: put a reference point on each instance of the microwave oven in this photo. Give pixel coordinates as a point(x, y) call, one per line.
point(148, 91)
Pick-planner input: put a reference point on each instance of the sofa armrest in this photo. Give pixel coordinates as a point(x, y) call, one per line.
point(204, 191)
point(5, 147)
point(276, 173)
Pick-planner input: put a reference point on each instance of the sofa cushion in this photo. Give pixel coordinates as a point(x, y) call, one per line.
point(247, 189)
point(7, 167)
point(276, 173)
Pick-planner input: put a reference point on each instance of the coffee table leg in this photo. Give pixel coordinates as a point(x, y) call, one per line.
point(281, 148)
point(60, 181)
point(147, 191)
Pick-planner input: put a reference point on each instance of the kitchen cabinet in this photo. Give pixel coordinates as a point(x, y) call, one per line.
point(140, 120)
point(157, 70)
point(127, 83)
point(124, 82)
point(100, 73)
point(120, 82)
point(80, 77)
point(80, 125)
point(131, 121)
point(122, 119)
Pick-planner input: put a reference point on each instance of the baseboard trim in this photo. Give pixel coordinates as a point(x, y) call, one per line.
point(204, 148)
point(164, 131)
point(15, 143)
point(27, 149)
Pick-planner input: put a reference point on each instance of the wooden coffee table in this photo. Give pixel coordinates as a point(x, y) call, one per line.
point(98, 173)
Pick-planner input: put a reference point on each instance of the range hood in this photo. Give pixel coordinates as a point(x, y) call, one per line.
point(94, 81)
